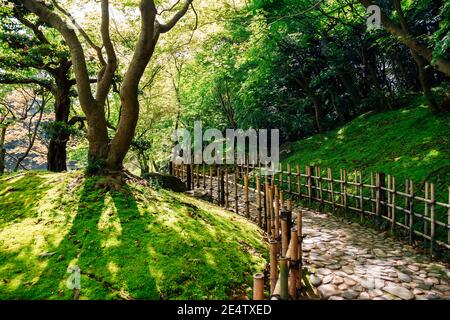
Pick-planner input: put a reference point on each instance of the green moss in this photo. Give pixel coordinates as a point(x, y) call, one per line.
point(136, 243)
point(409, 143)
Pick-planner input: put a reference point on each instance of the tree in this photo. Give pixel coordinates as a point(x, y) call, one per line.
point(105, 155)
point(34, 56)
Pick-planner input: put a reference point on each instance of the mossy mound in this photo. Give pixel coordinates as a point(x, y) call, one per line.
point(136, 243)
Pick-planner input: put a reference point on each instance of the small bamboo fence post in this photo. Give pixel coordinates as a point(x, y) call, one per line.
point(393, 211)
point(432, 226)
point(377, 194)
point(294, 265)
point(289, 178)
point(219, 193)
point(299, 186)
point(300, 246)
point(276, 214)
point(284, 232)
point(258, 286)
point(284, 273)
point(361, 197)
point(211, 182)
point(246, 200)
point(372, 193)
point(273, 265)
point(236, 196)
point(411, 212)
point(344, 172)
point(258, 200)
point(425, 213)
point(281, 176)
point(204, 176)
point(188, 176)
point(227, 191)
point(308, 172)
point(222, 187)
point(333, 203)
point(198, 177)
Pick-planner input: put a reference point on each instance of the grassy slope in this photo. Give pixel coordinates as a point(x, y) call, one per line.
point(141, 243)
point(407, 143)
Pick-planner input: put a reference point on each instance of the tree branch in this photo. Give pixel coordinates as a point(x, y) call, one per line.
point(163, 28)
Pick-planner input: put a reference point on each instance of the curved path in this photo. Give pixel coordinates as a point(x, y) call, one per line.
point(350, 261)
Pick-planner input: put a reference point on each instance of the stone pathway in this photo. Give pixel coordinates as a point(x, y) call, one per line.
point(349, 261)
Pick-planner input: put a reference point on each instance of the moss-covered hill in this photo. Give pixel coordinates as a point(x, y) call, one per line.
point(409, 143)
point(138, 243)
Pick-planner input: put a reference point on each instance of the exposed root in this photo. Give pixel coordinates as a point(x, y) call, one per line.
point(117, 180)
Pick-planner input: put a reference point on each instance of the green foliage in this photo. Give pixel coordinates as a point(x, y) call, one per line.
point(137, 243)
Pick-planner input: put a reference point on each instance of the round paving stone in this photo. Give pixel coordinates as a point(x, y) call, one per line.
point(400, 292)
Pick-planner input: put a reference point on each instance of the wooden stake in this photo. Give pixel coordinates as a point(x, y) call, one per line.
point(299, 186)
point(258, 200)
point(294, 265)
point(394, 191)
point(281, 176)
point(289, 178)
point(284, 272)
point(246, 201)
point(276, 214)
point(211, 182)
point(236, 196)
point(227, 191)
point(203, 176)
point(284, 233)
point(258, 286)
point(273, 265)
point(411, 212)
point(432, 226)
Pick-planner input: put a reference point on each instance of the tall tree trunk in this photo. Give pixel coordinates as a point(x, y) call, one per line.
point(57, 149)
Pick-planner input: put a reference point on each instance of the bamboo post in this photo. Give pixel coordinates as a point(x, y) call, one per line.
point(344, 172)
point(246, 201)
point(284, 272)
point(182, 171)
point(281, 176)
point(236, 196)
point(284, 232)
point(294, 265)
point(320, 188)
point(269, 212)
point(425, 214)
point(219, 193)
point(372, 193)
point(222, 187)
point(389, 207)
point(299, 186)
point(432, 226)
point(198, 176)
point(377, 193)
point(211, 182)
point(448, 217)
point(273, 265)
point(289, 178)
point(188, 176)
point(394, 191)
point(406, 201)
point(203, 176)
point(300, 246)
point(361, 196)
point(276, 213)
point(258, 200)
point(333, 204)
point(411, 212)
point(258, 286)
point(308, 172)
point(227, 191)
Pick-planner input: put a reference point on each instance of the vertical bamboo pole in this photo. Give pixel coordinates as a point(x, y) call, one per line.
point(236, 196)
point(189, 176)
point(246, 201)
point(276, 213)
point(281, 199)
point(300, 246)
point(284, 272)
point(333, 204)
point(284, 233)
point(377, 193)
point(406, 202)
point(289, 178)
point(389, 207)
point(268, 213)
point(299, 186)
point(294, 265)
point(281, 176)
point(308, 172)
point(448, 216)
point(204, 176)
point(198, 176)
point(219, 200)
point(361, 196)
point(320, 187)
point(432, 226)
point(273, 265)
point(372, 193)
point(425, 214)
point(341, 188)
point(211, 182)
point(258, 200)
point(227, 191)
point(411, 212)
point(258, 286)
point(394, 191)
point(344, 171)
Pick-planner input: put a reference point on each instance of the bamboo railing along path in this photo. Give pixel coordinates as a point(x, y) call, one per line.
point(343, 259)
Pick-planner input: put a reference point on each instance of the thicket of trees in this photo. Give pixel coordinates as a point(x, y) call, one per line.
point(125, 74)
